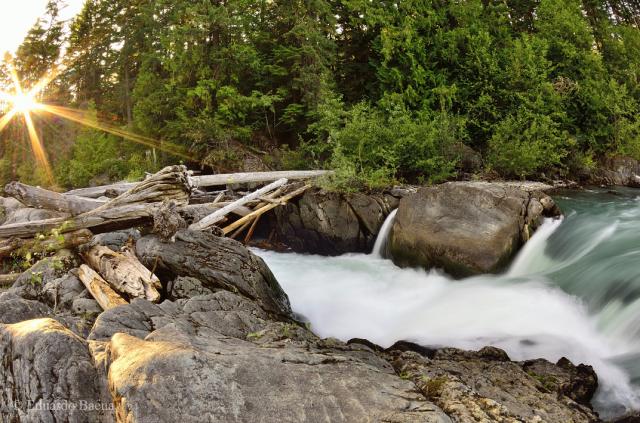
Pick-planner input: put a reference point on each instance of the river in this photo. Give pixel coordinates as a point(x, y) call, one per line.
point(572, 291)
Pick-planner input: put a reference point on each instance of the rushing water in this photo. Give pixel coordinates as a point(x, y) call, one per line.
point(573, 291)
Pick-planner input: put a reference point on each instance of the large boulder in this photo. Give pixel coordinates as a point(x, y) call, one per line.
point(219, 358)
point(47, 375)
point(331, 223)
point(217, 262)
point(618, 170)
point(485, 386)
point(467, 228)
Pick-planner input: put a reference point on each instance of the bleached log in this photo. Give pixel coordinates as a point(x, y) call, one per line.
point(211, 181)
point(133, 207)
point(255, 177)
point(8, 279)
point(99, 288)
point(218, 215)
point(124, 272)
point(238, 223)
point(48, 244)
point(44, 199)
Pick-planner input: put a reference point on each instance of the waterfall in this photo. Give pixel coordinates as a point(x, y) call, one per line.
point(380, 247)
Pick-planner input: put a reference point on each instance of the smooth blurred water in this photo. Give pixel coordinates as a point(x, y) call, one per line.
point(573, 291)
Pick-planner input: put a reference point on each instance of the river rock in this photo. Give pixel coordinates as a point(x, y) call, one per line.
point(219, 263)
point(618, 170)
point(219, 358)
point(15, 309)
point(330, 223)
point(486, 386)
point(47, 375)
point(467, 228)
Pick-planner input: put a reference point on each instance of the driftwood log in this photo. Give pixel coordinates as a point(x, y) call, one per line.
point(47, 244)
point(124, 272)
point(44, 199)
point(209, 181)
point(218, 215)
point(8, 279)
point(259, 212)
point(99, 288)
point(129, 209)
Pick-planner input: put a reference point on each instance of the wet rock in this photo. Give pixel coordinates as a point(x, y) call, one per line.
point(330, 223)
point(618, 170)
point(576, 382)
point(47, 374)
point(486, 386)
point(219, 263)
point(467, 228)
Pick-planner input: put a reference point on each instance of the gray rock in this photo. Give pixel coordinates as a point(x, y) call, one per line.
point(618, 170)
point(15, 309)
point(331, 223)
point(61, 292)
point(486, 386)
point(217, 358)
point(86, 306)
point(466, 228)
point(219, 263)
point(31, 283)
point(115, 240)
point(47, 375)
point(7, 206)
point(186, 287)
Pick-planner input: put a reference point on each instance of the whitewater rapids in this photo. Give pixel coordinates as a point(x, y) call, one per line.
point(573, 291)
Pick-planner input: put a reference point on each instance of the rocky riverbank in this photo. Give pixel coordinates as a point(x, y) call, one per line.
point(223, 343)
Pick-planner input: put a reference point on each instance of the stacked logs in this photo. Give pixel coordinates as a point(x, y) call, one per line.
point(162, 203)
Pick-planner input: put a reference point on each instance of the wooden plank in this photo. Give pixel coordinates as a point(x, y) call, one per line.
point(218, 215)
point(99, 288)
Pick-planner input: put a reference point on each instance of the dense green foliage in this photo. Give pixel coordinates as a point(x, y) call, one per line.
point(382, 91)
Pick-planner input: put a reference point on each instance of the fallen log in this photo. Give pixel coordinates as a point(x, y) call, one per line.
point(210, 181)
point(124, 272)
point(44, 199)
point(99, 288)
point(8, 279)
point(45, 244)
point(129, 209)
point(218, 215)
point(259, 212)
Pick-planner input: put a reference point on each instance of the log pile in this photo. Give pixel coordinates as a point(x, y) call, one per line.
point(163, 203)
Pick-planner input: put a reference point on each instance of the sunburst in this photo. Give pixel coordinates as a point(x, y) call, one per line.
point(21, 102)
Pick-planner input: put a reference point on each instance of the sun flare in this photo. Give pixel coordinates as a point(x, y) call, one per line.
point(23, 102)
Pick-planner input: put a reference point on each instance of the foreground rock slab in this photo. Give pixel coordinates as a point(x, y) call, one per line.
point(47, 375)
point(467, 228)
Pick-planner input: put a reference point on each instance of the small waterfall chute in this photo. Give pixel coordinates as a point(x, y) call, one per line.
point(382, 241)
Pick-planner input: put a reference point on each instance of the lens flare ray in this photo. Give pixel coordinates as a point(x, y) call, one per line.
point(24, 102)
